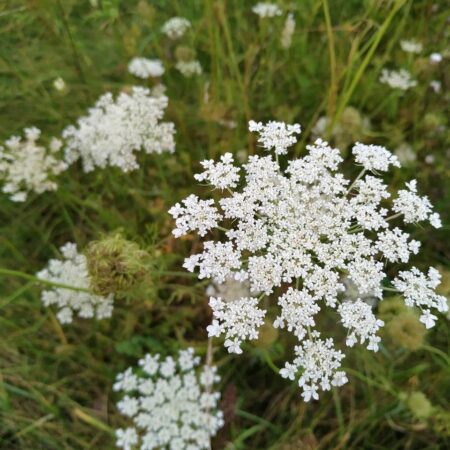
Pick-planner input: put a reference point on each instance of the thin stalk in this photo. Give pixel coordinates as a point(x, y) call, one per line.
point(26, 276)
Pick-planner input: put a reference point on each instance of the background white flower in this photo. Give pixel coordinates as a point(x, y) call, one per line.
point(26, 166)
point(115, 129)
point(72, 272)
point(175, 27)
point(145, 68)
point(171, 402)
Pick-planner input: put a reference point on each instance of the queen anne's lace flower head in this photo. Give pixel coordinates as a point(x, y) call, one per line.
point(175, 27)
point(267, 9)
point(145, 68)
point(418, 290)
point(275, 136)
point(239, 320)
point(189, 68)
point(398, 79)
point(411, 46)
point(72, 271)
point(115, 129)
point(171, 402)
point(374, 157)
point(26, 166)
point(297, 234)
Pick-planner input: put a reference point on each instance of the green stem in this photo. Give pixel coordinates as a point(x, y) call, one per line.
point(26, 276)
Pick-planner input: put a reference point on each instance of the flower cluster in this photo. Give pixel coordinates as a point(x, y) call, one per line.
point(74, 295)
point(189, 68)
point(114, 129)
point(266, 9)
point(172, 405)
point(418, 290)
point(411, 46)
point(145, 68)
point(239, 320)
point(397, 79)
point(298, 233)
point(175, 27)
point(275, 135)
point(26, 166)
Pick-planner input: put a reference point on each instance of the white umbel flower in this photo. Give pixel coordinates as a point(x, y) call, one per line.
point(435, 58)
point(319, 363)
point(374, 157)
point(275, 135)
point(59, 84)
point(411, 46)
point(26, 166)
point(220, 175)
point(419, 291)
point(145, 68)
point(115, 129)
point(359, 319)
point(398, 79)
point(189, 68)
point(72, 271)
point(415, 208)
point(171, 402)
point(295, 234)
point(175, 27)
point(239, 320)
point(266, 9)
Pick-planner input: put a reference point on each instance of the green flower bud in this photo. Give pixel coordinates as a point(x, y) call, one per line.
point(419, 405)
point(407, 331)
point(116, 265)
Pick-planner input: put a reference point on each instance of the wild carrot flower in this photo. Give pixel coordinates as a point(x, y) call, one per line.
point(145, 68)
point(26, 166)
point(266, 9)
point(189, 68)
point(176, 27)
point(115, 129)
point(296, 233)
point(398, 79)
point(411, 46)
point(72, 271)
point(171, 402)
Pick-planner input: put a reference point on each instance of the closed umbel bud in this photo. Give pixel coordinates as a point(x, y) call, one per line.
point(116, 265)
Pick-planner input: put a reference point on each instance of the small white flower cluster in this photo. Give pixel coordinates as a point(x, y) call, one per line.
point(145, 68)
point(72, 271)
point(418, 290)
point(275, 135)
point(172, 405)
point(297, 233)
point(411, 46)
point(114, 129)
point(176, 27)
point(319, 363)
point(266, 9)
point(239, 320)
point(435, 58)
point(374, 157)
point(189, 68)
point(359, 319)
point(398, 79)
point(26, 166)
